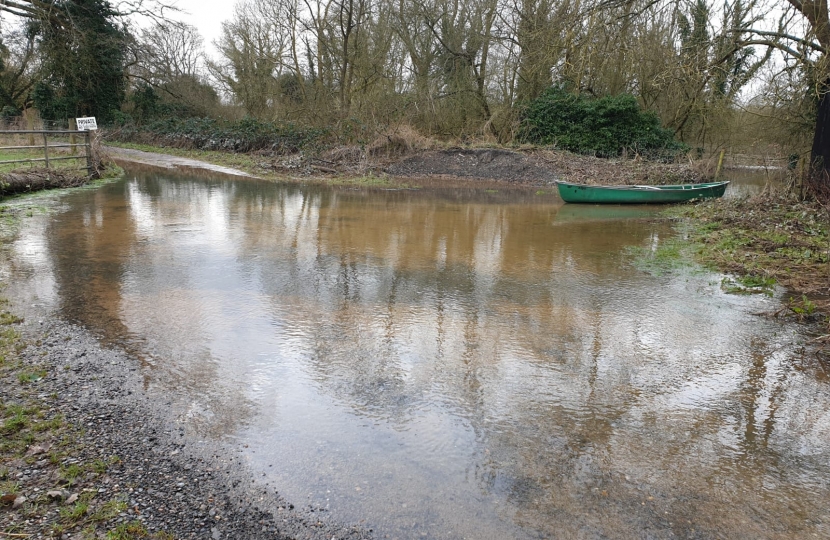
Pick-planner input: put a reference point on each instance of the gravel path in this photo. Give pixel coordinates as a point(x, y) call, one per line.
point(160, 476)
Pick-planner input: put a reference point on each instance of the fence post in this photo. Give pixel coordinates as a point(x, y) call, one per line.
point(72, 139)
point(88, 147)
point(28, 116)
point(46, 148)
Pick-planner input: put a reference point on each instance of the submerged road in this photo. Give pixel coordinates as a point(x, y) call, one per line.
point(169, 162)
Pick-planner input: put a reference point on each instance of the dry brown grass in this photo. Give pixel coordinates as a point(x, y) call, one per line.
point(398, 141)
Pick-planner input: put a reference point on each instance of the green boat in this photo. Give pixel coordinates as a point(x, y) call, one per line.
point(579, 193)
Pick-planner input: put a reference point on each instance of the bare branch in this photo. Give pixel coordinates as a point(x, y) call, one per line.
point(801, 41)
point(776, 45)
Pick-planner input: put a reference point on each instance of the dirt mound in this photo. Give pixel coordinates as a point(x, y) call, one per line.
point(540, 167)
point(483, 163)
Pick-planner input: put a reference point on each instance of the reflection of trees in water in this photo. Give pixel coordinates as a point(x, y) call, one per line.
point(405, 301)
point(87, 253)
point(414, 302)
point(97, 246)
point(409, 303)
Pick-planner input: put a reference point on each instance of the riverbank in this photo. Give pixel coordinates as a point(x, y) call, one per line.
point(761, 242)
point(353, 166)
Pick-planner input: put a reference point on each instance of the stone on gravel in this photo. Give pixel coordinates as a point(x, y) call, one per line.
point(36, 450)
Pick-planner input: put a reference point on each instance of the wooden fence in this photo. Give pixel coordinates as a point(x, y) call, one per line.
point(54, 146)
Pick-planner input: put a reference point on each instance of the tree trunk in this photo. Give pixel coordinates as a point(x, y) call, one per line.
point(820, 154)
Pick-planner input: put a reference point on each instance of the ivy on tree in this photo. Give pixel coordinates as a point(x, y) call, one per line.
point(83, 62)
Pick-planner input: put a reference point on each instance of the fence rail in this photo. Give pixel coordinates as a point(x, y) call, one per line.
point(46, 146)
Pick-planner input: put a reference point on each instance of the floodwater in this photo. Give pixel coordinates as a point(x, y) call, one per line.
point(481, 364)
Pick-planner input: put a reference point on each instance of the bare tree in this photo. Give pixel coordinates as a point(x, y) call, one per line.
point(18, 67)
point(156, 10)
point(170, 50)
point(252, 49)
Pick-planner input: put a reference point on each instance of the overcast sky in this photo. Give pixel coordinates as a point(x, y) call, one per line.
point(207, 16)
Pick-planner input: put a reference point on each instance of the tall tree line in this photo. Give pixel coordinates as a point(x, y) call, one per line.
point(463, 67)
point(449, 68)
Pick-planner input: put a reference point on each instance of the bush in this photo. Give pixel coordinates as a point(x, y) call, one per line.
point(604, 127)
point(245, 135)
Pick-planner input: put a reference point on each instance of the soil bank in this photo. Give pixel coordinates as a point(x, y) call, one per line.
point(448, 167)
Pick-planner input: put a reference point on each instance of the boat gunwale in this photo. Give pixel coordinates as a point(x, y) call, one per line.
point(644, 188)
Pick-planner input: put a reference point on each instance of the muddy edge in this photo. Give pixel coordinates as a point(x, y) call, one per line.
point(172, 481)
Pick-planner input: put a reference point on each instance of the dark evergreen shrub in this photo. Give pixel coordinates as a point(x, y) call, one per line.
point(604, 127)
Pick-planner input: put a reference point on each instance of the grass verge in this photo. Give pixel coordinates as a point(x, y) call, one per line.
point(761, 242)
point(64, 496)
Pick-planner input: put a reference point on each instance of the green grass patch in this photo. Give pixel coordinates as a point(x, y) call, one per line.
point(128, 531)
point(70, 473)
point(8, 487)
point(749, 284)
point(15, 423)
point(7, 318)
point(53, 424)
point(31, 376)
point(775, 239)
point(108, 510)
point(9, 336)
point(803, 308)
point(100, 466)
point(72, 515)
point(135, 530)
point(668, 256)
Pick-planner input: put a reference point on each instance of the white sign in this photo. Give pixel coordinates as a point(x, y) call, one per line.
point(86, 124)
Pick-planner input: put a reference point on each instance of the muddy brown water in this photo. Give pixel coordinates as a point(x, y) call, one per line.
point(465, 364)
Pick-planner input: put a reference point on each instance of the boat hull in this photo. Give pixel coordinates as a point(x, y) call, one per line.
point(578, 193)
